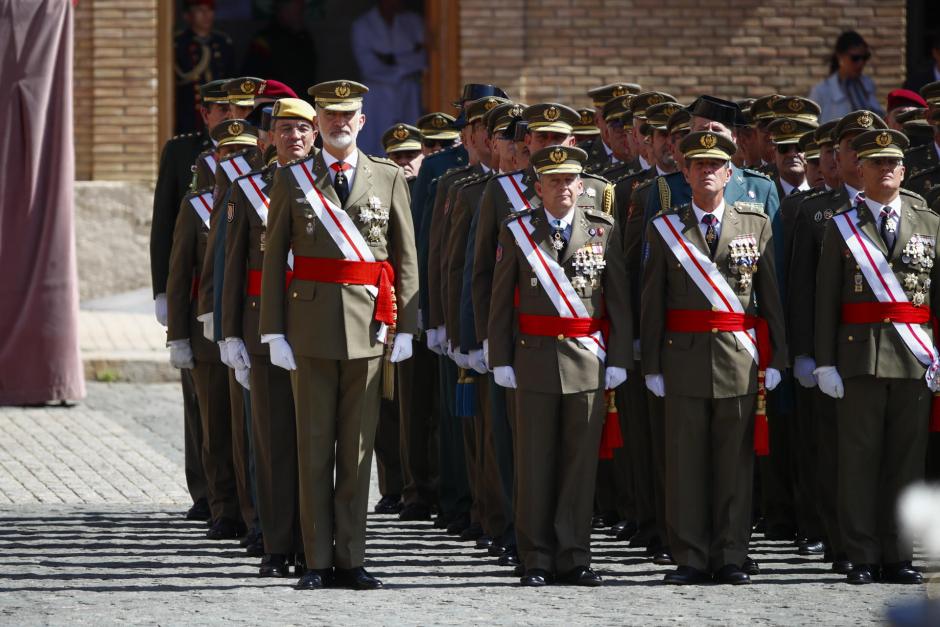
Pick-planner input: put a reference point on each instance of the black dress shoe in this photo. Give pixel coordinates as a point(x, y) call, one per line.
point(315, 578)
point(356, 579)
point(750, 566)
point(663, 557)
point(811, 547)
point(389, 504)
point(901, 572)
point(225, 529)
point(471, 533)
point(687, 576)
point(732, 574)
point(518, 570)
point(604, 519)
point(443, 520)
point(485, 542)
point(415, 511)
point(509, 558)
point(535, 578)
point(618, 527)
point(274, 565)
point(628, 531)
point(581, 576)
point(250, 537)
point(458, 524)
point(862, 574)
point(256, 549)
point(842, 566)
point(199, 511)
point(497, 549)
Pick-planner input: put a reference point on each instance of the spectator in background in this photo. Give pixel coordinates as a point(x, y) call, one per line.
point(915, 81)
point(201, 55)
point(388, 43)
point(846, 89)
point(283, 49)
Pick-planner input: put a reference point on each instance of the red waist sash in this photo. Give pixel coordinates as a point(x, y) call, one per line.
point(377, 273)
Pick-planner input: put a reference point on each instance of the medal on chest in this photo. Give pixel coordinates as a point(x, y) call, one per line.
point(588, 264)
point(374, 218)
point(742, 260)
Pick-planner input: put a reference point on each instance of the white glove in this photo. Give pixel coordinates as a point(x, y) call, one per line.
point(434, 342)
point(803, 367)
point(159, 308)
point(461, 359)
point(830, 383)
point(505, 376)
point(237, 353)
point(181, 354)
point(281, 354)
point(478, 361)
point(486, 353)
point(614, 377)
point(223, 354)
point(771, 378)
point(656, 384)
point(401, 349)
point(208, 328)
point(242, 376)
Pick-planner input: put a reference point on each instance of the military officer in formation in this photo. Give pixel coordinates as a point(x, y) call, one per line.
point(615, 332)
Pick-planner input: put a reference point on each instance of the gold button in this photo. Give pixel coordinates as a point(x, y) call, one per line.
point(669, 342)
point(253, 304)
point(522, 342)
point(887, 320)
point(295, 294)
point(714, 330)
point(851, 338)
point(561, 336)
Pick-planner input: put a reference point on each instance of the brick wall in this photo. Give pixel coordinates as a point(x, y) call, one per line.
point(556, 49)
point(115, 78)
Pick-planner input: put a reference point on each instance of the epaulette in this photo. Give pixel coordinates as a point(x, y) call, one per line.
point(502, 174)
point(591, 175)
point(928, 170)
point(756, 173)
point(915, 196)
point(198, 192)
point(645, 184)
point(299, 160)
point(913, 150)
point(594, 213)
point(480, 180)
point(184, 135)
point(755, 208)
point(519, 214)
point(816, 193)
point(455, 170)
point(382, 160)
point(240, 153)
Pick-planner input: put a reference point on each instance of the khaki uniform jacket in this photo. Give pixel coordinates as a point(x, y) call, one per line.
point(461, 213)
point(219, 211)
point(632, 223)
point(873, 349)
point(244, 251)
point(598, 159)
point(814, 211)
point(439, 223)
point(495, 206)
point(203, 175)
point(686, 359)
point(186, 257)
point(549, 364)
point(332, 320)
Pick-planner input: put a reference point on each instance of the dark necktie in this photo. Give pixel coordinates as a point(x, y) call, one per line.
point(340, 184)
point(888, 234)
point(711, 233)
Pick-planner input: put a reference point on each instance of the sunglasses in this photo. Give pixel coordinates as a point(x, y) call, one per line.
point(859, 58)
point(784, 149)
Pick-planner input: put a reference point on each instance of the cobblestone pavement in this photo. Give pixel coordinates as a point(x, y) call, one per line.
point(91, 532)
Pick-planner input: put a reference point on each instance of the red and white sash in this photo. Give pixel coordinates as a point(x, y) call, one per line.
point(202, 203)
point(253, 188)
point(555, 282)
point(210, 161)
point(235, 167)
point(704, 273)
point(338, 224)
point(515, 191)
point(883, 282)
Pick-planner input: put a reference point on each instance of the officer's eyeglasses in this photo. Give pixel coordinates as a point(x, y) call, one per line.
point(288, 129)
point(785, 149)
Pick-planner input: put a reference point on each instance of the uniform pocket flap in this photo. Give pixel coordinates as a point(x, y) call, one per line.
point(303, 290)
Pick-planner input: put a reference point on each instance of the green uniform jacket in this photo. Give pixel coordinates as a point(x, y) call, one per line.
point(873, 349)
point(551, 364)
point(598, 159)
point(709, 365)
point(173, 182)
point(332, 320)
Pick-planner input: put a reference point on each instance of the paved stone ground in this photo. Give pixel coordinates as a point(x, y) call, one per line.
point(91, 533)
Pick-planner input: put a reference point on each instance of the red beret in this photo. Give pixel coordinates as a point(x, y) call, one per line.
point(276, 89)
point(192, 3)
point(905, 98)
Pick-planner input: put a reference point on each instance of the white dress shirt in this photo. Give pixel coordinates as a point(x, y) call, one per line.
point(718, 213)
point(352, 161)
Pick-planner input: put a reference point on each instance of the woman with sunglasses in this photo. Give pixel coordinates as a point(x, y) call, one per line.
point(847, 88)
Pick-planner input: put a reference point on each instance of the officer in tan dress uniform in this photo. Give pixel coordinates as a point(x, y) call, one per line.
point(599, 151)
point(694, 355)
point(186, 338)
point(353, 291)
point(876, 290)
point(272, 403)
point(545, 354)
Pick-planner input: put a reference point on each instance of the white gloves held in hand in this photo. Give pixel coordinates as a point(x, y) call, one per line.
point(478, 361)
point(505, 376)
point(614, 377)
point(656, 384)
point(401, 347)
point(771, 378)
point(281, 354)
point(830, 383)
point(159, 308)
point(208, 326)
point(237, 353)
point(242, 376)
point(181, 354)
point(803, 367)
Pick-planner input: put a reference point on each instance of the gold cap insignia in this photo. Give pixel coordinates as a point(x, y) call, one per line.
point(587, 119)
point(795, 105)
point(670, 110)
point(248, 87)
point(551, 114)
point(865, 120)
point(772, 100)
point(515, 111)
point(489, 104)
point(619, 91)
point(883, 139)
point(654, 99)
point(235, 129)
point(787, 127)
point(558, 155)
point(438, 122)
point(708, 141)
point(342, 90)
point(400, 133)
